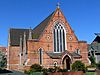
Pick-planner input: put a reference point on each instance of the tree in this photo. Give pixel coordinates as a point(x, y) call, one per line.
point(78, 66)
point(3, 60)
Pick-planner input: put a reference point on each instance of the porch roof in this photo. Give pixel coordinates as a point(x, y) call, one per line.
point(60, 55)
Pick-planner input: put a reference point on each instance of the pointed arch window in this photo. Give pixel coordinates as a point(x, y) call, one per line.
point(40, 56)
point(59, 37)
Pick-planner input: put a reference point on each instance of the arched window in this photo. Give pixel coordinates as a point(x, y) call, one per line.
point(59, 37)
point(40, 56)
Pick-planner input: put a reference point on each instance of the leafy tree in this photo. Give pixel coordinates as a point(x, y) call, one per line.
point(78, 66)
point(3, 60)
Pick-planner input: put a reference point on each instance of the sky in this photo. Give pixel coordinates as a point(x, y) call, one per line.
point(82, 15)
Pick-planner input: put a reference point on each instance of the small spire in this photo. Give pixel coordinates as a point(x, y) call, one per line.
point(21, 52)
point(25, 48)
point(58, 5)
point(21, 45)
point(24, 43)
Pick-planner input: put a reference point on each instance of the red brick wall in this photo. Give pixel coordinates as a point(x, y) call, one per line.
point(13, 57)
point(84, 52)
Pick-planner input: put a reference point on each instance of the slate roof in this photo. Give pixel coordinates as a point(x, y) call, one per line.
point(97, 39)
point(60, 55)
point(55, 55)
point(36, 32)
point(15, 36)
point(95, 45)
point(75, 55)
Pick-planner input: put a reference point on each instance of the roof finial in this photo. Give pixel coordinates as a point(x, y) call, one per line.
point(58, 5)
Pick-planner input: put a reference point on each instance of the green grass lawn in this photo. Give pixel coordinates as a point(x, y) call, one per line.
point(90, 73)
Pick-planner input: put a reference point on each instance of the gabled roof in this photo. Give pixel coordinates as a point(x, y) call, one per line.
point(55, 55)
point(37, 31)
point(15, 36)
point(76, 55)
point(60, 55)
point(95, 45)
point(97, 39)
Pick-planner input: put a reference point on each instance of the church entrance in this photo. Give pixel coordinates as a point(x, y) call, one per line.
point(66, 62)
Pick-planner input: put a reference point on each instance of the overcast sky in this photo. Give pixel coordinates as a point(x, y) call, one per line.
point(82, 15)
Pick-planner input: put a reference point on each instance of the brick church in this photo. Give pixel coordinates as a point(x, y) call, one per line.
point(51, 43)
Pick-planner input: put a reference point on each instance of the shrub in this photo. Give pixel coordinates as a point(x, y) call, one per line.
point(36, 68)
point(45, 71)
point(91, 66)
point(56, 68)
point(51, 70)
point(63, 70)
point(27, 72)
point(78, 66)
